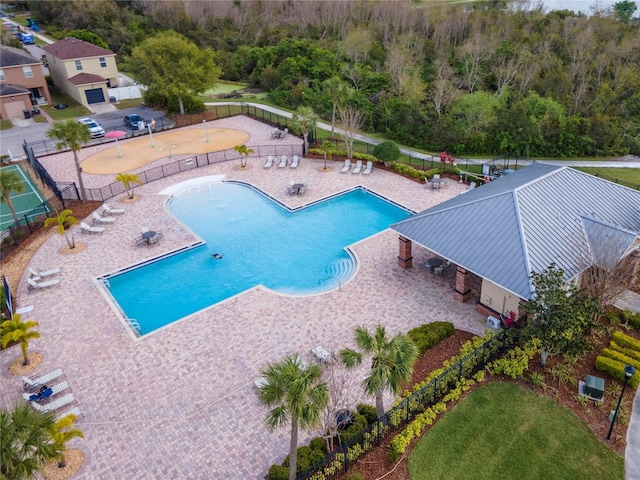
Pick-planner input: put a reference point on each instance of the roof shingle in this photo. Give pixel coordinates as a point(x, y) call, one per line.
point(71, 48)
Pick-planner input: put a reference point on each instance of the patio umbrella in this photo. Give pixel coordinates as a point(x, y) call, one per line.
point(116, 134)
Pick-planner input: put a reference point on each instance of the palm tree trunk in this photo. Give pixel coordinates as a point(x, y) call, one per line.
point(333, 119)
point(83, 195)
point(181, 104)
point(306, 144)
point(63, 462)
point(293, 449)
point(23, 346)
point(379, 404)
point(10, 205)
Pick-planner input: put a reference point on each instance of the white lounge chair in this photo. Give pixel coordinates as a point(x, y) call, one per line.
point(295, 161)
point(346, 167)
point(107, 210)
point(34, 383)
point(368, 168)
point(56, 404)
point(303, 189)
point(57, 388)
point(99, 219)
point(283, 161)
point(321, 354)
point(358, 167)
point(43, 273)
point(86, 228)
point(74, 411)
point(34, 284)
point(269, 162)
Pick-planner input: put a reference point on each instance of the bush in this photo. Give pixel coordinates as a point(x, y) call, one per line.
point(353, 476)
point(621, 357)
point(407, 170)
point(368, 412)
point(626, 351)
point(387, 151)
point(278, 472)
point(626, 341)
point(631, 319)
point(616, 370)
point(430, 173)
point(317, 443)
point(429, 335)
point(358, 425)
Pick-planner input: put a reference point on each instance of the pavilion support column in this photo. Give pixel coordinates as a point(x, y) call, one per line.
point(462, 292)
point(405, 260)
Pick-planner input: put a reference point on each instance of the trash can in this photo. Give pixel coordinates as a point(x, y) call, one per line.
point(27, 114)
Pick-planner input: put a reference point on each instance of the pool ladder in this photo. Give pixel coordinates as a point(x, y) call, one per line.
point(133, 324)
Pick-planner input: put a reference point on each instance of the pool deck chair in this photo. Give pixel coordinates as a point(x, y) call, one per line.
point(97, 218)
point(57, 388)
point(358, 167)
point(86, 228)
point(295, 161)
point(35, 285)
point(269, 162)
point(34, 383)
point(368, 169)
point(74, 411)
point(283, 161)
point(107, 210)
point(56, 404)
point(321, 354)
point(43, 273)
point(346, 167)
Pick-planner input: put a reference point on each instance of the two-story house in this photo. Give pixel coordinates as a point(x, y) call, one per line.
point(83, 70)
point(22, 83)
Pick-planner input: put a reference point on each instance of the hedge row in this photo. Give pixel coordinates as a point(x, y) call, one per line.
point(616, 370)
point(626, 341)
point(429, 335)
point(623, 350)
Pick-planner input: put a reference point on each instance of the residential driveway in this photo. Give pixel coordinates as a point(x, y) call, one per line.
point(179, 403)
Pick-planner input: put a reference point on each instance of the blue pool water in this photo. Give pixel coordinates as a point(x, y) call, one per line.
point(301, 252)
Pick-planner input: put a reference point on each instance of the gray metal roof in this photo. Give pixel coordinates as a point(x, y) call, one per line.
point(523, 222)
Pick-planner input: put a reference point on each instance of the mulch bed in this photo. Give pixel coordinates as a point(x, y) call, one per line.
point(376, 465)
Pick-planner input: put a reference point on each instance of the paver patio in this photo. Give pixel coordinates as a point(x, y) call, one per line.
point(179, 403)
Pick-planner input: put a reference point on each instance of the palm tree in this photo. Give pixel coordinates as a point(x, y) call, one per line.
point(10, 182)
point(391, 364)
point(64, 220)
point(293, 390)
point(304, 121)
point(326, 147)
point(15, 330)
point(25, 442)
point(244, 153)
point(336, 90)
point(62, 432)
point(127, 179)
point(73, 135)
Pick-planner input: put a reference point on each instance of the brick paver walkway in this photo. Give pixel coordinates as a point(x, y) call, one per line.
point(179, 403)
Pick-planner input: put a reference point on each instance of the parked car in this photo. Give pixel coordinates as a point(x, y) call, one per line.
point(27, 39)
point(94, 127)
point(135, 122)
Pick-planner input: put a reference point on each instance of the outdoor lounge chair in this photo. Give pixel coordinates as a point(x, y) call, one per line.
point(34, 284)
point(283, 161)
point(107, 210)
point(86, 228)
point(303, 189)
point(34, 383)
point(43, 273)
point(56, 404)
point(269, 162)
point(74, 411)
point(358, 167)
point(368, 168)
point(57, 388)
point(295, 161)
point(347, 166)
point(99, 219)
point(321, 354)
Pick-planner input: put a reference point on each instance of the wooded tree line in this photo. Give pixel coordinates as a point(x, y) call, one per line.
point(481, 80)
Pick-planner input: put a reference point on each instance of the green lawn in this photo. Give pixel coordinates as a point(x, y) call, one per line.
point(502, 431)
point(129, 103)
point(73, 110)
point(5, 124)
point(625, 175)
point(223, 87)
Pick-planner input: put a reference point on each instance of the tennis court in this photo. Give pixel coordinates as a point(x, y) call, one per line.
point(25, 202)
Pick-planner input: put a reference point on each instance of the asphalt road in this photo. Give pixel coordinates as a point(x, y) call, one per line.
point(11, 140)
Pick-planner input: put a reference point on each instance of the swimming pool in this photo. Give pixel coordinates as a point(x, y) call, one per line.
point(299, 252)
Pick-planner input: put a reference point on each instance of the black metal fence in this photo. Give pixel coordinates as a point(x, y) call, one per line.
point(340, 461)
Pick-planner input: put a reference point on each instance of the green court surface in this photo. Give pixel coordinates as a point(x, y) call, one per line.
point(24, 203)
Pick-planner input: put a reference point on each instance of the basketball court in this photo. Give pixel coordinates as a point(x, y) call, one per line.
point(135, 153)
point(24, 202)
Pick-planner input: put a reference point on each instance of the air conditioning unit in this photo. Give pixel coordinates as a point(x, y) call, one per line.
point(493, 322)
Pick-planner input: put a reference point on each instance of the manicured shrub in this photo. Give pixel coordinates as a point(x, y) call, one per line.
point(516, 360)
point(407, 170)
point(429, 335)
point(317, 443)
point(278, 472)
point(625, 351)
point(616, 370)
point(430, 173)
point(621, 357)
point(358, 425)
point(626, 341)
point(387, 152)
point(368, 412)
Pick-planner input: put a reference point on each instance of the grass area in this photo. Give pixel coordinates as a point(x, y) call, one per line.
point(39, 119)
point(224, 87)
point(73, 110)
point(625, 175)
point(502, 431)
point(5, 124)
point(129, 103)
